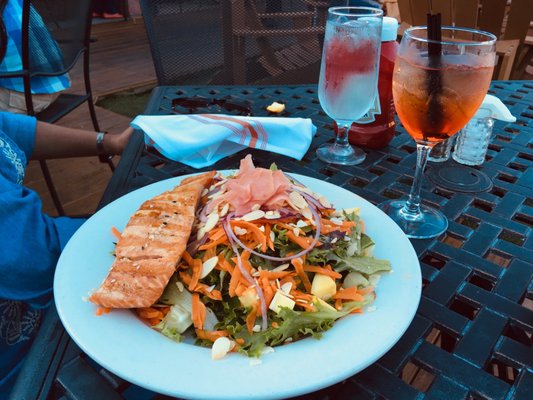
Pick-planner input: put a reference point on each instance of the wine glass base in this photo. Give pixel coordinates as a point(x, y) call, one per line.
point(428, 224)
point(459, 178)
point(348, 155)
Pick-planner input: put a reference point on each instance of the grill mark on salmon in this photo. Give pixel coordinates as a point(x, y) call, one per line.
point(151, 246)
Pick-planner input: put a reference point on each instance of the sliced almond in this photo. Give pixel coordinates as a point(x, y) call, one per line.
point(253, 215)
point(272, 215)
point(212, 221)
point(306, 212)
point(286, 287)
point(239, 231)
point(208, 266)
point(221, 347)
point(301, 224)
point(336, 221)
point(324, 201)
point(225, 209)
point(200, 234)
point(256, 207)
point(262, 228)
point(281, 267)
point(272, 236)
point(298, 200)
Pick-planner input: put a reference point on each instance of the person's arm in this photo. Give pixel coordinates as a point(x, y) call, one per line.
point(53, 141)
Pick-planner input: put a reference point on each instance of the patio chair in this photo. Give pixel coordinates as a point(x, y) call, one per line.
point(289, 42)
point(227, 42)
point(509, 22)
point(69, 23)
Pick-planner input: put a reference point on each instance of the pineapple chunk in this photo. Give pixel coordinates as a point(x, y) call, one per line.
point(323, 287)
point(249, 297)
point(280, 300)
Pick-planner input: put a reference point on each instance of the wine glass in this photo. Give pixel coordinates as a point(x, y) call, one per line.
point(348, 75)
point(437, 87)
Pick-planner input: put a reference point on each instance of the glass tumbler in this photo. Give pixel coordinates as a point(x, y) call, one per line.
point(473, 140)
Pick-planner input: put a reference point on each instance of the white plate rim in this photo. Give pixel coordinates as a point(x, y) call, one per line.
point(324, 360)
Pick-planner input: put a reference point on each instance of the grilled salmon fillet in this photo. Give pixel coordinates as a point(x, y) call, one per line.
point(151, 246)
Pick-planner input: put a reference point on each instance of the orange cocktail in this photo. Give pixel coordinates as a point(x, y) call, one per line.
point(461, 92)
point(437, 87)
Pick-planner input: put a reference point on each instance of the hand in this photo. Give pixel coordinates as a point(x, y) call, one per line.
point(115, 143)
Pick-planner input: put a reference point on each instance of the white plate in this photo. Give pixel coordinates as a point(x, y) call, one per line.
point(125, 346)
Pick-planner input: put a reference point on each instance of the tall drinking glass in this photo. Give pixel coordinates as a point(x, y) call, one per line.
point(437, 87)
point(348, 75)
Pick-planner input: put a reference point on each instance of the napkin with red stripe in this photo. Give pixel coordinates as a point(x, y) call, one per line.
point(200, 140)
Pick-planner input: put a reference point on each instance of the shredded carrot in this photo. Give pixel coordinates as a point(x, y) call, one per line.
point(214, 243)
point(234, 281)
point(365, 290)
point(148, 312)
point(272, 275)
point(270, 243)
point(224, 264)
point(211, 335)
point(240, 289)
point(198, 311)
point(250, 318)
point(328, 226)
point(268, 292)
point(303, 241)
point(102, 311)
point(116, 232)
point(240, 341)
point(356, 311)
point(348, 294)
point(323, 271)
point(298, 266)
point(217, 233)
point(251, 227)
point(187, 257)
point(204, 289)
point(196, 272)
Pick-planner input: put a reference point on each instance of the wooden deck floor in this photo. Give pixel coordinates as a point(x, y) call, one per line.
point(120, 60)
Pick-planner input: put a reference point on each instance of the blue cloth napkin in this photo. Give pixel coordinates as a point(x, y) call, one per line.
point(200, 140)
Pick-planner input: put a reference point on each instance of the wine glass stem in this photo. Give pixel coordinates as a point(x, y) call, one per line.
point(342, 135)
point(411, 210)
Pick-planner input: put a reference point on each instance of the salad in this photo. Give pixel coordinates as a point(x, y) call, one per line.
point(268, 262)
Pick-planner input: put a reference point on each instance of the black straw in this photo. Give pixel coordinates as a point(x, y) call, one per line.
point(434, 78)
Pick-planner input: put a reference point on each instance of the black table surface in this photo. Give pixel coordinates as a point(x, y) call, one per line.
point(472, 335)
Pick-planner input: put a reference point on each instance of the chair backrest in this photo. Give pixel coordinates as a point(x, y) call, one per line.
point(185, 39)
point(54, 34)
point(194, 42)
point(274, 45)
point(55, 26)
point(508, 21)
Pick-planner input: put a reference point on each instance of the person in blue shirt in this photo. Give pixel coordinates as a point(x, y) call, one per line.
point(30, 241)
point(45, 56)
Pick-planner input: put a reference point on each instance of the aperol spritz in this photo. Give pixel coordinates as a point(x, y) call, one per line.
point(435, 94)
